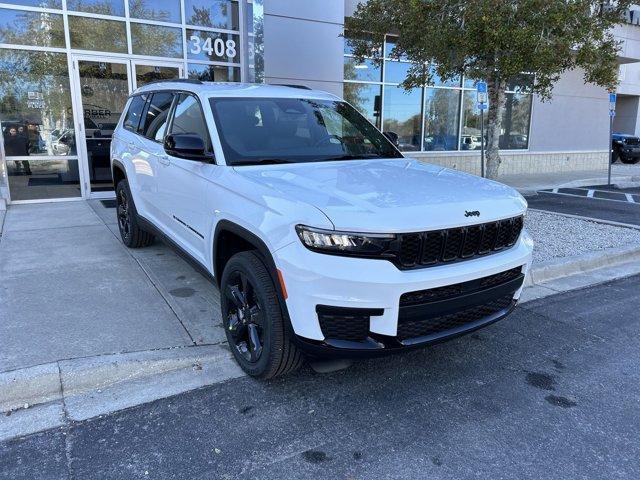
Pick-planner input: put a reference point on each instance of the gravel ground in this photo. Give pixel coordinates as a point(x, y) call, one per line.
point(558, 236)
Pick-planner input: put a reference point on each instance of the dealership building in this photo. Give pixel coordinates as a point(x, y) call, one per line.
point(67, 67)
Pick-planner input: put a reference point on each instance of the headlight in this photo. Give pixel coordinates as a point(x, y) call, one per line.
point(346, 243)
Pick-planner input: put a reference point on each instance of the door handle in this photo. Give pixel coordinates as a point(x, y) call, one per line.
point(164, 160)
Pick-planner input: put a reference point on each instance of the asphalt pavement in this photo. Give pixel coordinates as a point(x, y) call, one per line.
point(551, 392)
point(599, 202)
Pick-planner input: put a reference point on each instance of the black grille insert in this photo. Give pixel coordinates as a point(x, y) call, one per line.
point(441, 246)
point(341, 323)
point(421, 328)
point(449, 291)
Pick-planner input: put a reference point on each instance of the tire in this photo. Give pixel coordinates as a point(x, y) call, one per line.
point(252, 318)
point(615, 156)
point(630, 160)
point(132, 235)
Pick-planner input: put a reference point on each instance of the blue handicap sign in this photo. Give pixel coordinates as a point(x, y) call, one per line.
point(483, 106)
point(612, 98)
point(481, 89)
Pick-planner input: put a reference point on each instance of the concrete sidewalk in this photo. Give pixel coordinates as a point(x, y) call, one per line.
point(90, 327)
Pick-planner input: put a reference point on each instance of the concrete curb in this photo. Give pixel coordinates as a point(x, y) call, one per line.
point(53, 394)
point(563, 267)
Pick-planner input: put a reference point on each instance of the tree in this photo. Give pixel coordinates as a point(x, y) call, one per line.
point(496, 41)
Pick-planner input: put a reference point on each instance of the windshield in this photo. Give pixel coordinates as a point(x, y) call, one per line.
point(287, 130)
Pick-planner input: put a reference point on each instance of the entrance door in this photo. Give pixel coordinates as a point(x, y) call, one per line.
point(102, 87)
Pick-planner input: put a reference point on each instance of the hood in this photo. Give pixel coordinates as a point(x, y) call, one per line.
point(395, 195)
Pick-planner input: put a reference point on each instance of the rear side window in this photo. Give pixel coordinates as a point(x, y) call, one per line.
point(188, 118)
point(155, 121)
point(134, 114)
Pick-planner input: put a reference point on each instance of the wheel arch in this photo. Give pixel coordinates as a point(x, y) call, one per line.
point(230, 238)
point(118, 172)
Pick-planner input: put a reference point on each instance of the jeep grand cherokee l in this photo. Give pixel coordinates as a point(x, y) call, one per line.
point(322, 237)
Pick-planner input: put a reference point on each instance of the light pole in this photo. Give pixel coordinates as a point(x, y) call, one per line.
point(612, 114)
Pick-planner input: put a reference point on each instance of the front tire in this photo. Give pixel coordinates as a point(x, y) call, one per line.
point(253, 320)
point(615, 156)
point(132, 235)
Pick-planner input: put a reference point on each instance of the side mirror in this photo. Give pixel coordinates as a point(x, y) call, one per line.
point(393, 137)
point(188, 146)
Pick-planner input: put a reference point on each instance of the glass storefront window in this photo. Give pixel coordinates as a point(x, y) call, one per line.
point(402, 114)
point(366, 99)
point(375, 45)
point(40, 29)
point(156, 41)
point(35, 101)
point(395, 72)
point(213, 73)
point(160, 10)
point(37, 121)
point(213, 46)
point(470, 137)
point(515, 122)
point(441, 119)
point(153, 73)
point(367, 71)
point(98, 34)
point(37, 3)
point(212, 13)
point(43, 179)
point(103, 7)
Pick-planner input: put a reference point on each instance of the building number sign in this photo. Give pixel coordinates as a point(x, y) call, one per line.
point(212, 47)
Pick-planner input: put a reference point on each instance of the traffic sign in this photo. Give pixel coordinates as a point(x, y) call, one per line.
point(612, 104)
point(482, 92)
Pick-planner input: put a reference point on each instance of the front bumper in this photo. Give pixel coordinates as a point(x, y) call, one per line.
point(314, 280)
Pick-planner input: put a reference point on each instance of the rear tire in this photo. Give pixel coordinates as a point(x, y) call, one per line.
point(630, 160)
point(132, 235)
point(253, 320)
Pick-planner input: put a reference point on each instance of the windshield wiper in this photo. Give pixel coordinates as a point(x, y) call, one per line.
point(362, 156)
point(262, 161)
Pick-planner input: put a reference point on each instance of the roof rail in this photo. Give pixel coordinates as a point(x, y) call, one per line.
point(290, 85)
point(193, 81)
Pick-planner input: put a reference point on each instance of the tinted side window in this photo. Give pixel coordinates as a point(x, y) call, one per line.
point(134, 114)
point(155, 122)
point(188, 118)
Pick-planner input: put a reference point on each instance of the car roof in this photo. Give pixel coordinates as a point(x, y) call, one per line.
point(235, 89)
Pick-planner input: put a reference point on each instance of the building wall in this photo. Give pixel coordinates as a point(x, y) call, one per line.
point(575, 119)
point(626, 119)
point(302, 43)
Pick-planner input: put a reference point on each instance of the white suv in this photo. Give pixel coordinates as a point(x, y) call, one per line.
point(321, 236)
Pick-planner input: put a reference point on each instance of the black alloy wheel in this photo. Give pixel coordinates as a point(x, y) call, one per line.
point(124, 215)
point(253, 319)
point(245, 317)
point(131, 233)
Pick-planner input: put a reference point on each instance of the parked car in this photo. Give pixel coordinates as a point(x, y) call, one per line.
point(626, 148)
point(323, 238)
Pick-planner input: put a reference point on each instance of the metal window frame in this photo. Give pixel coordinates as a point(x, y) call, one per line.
point(461, 89)
point(73, 55)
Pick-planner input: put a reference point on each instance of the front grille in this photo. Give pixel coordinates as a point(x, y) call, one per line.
point(441, 246)
point(351, 324)
point(407, 330)
point(448, 291)
point(632, 141)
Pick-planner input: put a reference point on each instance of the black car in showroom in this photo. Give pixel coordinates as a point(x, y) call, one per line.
point(626, 148)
